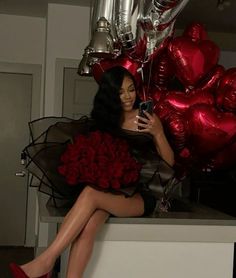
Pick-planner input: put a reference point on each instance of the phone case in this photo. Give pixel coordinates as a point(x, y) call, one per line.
point(145, 106)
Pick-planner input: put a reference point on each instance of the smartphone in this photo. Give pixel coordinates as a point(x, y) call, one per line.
point(145, 106)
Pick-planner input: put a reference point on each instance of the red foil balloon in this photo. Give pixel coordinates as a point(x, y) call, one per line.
point(195, 31)
point(174, 124)
point(226, 92)
point(211, 54)
point(209, 129)
point(100, 67)
point(192, 60)
point(181, 102)
point(176, 127)
point(156, 94)
point(211, 80)
point(162, 71)
point(161, 48)
point(163, 110)
point(138, 53)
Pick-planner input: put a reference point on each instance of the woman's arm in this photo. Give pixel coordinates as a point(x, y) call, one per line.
point(163, 147)
point(154, 126)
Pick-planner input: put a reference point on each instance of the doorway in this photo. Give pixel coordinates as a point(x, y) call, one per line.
point(19, 103)
point(78, 94)
point(74, 93)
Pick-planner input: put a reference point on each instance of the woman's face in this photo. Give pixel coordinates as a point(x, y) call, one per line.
point(127, 94)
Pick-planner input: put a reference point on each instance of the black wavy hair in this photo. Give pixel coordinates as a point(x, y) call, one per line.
point(107, 110)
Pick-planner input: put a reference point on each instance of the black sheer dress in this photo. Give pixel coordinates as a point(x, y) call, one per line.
point(49, 139)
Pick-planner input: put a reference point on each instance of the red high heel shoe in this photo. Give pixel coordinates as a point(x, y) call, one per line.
point(18, 272)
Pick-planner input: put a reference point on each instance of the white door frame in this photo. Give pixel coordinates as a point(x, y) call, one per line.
point(36, 111)
point(59, 81)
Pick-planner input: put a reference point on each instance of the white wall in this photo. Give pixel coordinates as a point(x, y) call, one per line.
point(22, 39)
point(225, 41)
point(228, 59)
point(67, 36)
point(63, 34)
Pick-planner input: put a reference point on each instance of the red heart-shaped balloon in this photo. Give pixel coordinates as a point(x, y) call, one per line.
point(162, 70)
point(181, 102)
point(177, 129)
point(209, 130)
point(211, 54)
point(226, 92)
point(211, 80)
point(156, 94)
point(174, 124)
point(195, 31)
point(192, 60)
point(163, 110)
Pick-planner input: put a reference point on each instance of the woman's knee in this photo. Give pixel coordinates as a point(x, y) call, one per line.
point(88, 195)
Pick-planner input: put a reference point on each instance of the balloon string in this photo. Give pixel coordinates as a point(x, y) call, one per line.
point(149, 77)
point(145, 91)
point(140, 70)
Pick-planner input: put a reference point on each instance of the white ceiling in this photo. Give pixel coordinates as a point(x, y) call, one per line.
point(205, 12)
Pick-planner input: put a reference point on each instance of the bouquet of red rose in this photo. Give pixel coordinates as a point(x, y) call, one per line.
point(101, 160)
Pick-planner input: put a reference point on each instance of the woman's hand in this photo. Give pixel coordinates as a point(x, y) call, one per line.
point(151, 124)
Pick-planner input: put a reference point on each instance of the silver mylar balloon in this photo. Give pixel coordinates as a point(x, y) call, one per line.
point(101, 33)
point(165, 11)
point(123, 18)
point(159, 14)
point(102, 44)
point(135, 27)
point(102, 8)
point(84, 68)
point(155, 21)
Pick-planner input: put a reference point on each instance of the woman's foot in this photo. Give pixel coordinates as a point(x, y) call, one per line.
point(16, 271)
point(37, 268)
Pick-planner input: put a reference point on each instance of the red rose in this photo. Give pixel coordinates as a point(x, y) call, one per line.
point(99, 159)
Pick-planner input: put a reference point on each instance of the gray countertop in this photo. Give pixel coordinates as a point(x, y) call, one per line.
point(195, 215)
point(196, 224)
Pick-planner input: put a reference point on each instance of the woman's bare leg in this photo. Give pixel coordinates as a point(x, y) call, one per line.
point(82, 246)
point(88, 201)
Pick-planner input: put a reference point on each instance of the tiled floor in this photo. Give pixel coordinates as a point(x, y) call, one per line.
point(18, 255)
